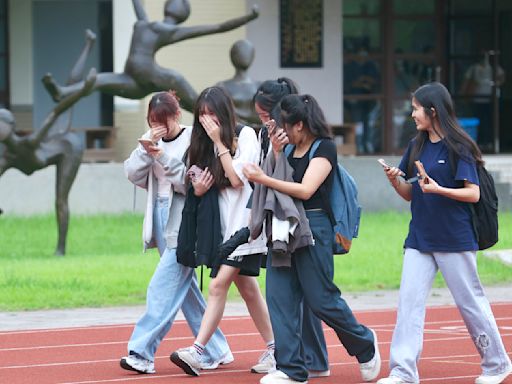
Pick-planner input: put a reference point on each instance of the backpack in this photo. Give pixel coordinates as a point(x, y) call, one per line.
point(485, 211)
point(345, 212)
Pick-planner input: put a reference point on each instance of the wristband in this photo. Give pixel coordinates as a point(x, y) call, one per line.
point(222, 153)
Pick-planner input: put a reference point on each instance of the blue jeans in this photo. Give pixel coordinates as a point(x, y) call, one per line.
point(173, 286)
point(310, 279)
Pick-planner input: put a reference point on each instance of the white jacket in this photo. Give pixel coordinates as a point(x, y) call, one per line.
point(139, 170)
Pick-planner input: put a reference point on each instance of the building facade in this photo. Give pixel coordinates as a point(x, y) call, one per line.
point(359, 58)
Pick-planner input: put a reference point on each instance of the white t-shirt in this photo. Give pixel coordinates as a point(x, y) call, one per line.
point(234, 213)
point(175, 148)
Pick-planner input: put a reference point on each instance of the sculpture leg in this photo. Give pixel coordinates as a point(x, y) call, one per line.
point(77, 72)
point(67, 169)
point(53, 88)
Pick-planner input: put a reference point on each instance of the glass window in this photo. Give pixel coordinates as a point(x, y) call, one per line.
point(465, 7)
point(361, 7)
point(367, 116)
point(2, 38)
point(3, 82)
point(359, 33)
point(404, 127)
point(414, 7)
point(414, 36)
point(362, 76)
point(469, 36)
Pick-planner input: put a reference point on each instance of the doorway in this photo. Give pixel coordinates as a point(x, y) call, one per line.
point(389, 49)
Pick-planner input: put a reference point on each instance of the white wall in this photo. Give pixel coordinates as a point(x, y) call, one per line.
point(98, 188)
point(325, 83)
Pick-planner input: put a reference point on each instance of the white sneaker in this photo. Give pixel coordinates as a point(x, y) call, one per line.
point(187, 359)
point(266, 363)
point(371, 369)
point(137, 364)
point(313, 373)
point(279, 377)
point(393, 380)
point(494, 379)
point(225, 359)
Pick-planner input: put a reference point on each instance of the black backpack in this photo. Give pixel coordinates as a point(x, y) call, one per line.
point(485, 211)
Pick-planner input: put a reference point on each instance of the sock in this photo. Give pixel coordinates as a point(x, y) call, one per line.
point(199, 347)
point(271, 345)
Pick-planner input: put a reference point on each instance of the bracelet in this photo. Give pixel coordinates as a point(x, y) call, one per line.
point(222, 153)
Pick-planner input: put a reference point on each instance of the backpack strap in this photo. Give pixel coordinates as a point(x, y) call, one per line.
point(238, 129)
point(314, 147)
point(290, 147)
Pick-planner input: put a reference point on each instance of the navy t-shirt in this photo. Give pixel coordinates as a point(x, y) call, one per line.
point(438, 223)
point(326, 149)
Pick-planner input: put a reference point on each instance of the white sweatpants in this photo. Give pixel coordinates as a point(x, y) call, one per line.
point(460, 273)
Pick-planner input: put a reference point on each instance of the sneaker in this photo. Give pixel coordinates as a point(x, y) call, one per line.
point(225, 359)
point(393, 380)
point(187, 359)
point(137, 364)
point(313, 373)
point(266, 363)
point(371, 369)
point(279, 377)
point(494, 379)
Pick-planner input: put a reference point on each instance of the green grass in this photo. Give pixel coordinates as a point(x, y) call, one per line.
point(104, 264)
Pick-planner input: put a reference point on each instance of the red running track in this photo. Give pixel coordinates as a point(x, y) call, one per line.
point(91, 354)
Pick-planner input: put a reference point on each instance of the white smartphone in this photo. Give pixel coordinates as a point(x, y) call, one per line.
point(386, 166)
point(383, 163)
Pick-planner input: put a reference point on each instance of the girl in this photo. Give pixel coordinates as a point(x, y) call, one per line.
point(159, 169)
point(309, 278)
point(266, 105)
point(217, 150)
point(441, 237)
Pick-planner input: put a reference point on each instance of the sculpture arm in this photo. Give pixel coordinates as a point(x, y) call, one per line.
point(63, 106)
point(139, 11)
point(184, 33)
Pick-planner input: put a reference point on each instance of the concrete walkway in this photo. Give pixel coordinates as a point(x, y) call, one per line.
point(83, 317)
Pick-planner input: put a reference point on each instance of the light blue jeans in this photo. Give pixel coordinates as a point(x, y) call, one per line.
point(460, 273)
point(173, 286)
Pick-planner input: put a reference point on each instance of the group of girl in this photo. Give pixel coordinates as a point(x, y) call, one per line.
point(301, 293)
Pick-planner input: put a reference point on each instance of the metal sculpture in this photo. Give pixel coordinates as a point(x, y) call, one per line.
point(50, 146)
point(142, 75)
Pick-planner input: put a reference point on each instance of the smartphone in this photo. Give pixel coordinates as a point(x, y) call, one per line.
point(271, 126)
point(194, 172)
point(146, 143)
point(421, 171)
point(383, 163)
point(386, 166)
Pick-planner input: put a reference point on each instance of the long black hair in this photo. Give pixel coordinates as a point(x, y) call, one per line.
point(270, 93)
point(201, 151)
point(460, 145)
point(296, 108)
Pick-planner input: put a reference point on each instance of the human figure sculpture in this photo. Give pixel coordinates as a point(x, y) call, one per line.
point(142, 75)
point(49, 146)
point(241, 87)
